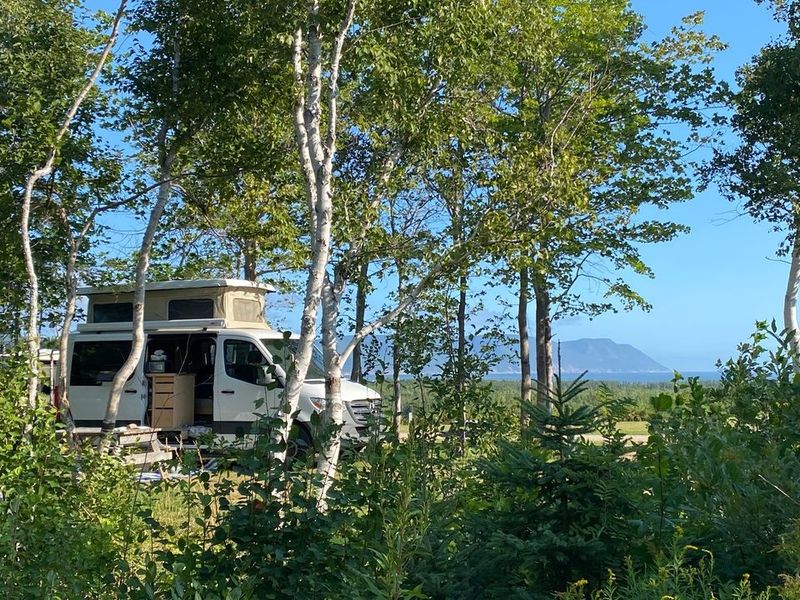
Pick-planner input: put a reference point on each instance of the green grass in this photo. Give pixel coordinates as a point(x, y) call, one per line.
point(633, 427)
point(507, 393)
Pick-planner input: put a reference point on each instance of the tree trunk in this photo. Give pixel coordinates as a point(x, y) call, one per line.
point(316, 162)
point(397, 395)
point(461, 375)
point(544, 348)
point(308, 321)
point(361, 308)
point(33, 284)
point(33, 177)
point(790, 301)
point(328, 459)
point(137, 345)
point(526, 384)
point(250, 273)
point(63, 340)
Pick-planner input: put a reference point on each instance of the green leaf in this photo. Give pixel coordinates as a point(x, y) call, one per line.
point(662, 402)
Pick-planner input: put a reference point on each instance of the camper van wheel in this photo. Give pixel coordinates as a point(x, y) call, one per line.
point(300, 441)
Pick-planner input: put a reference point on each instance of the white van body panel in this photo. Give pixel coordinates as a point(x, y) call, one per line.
point(88, 402)
point(234, 399)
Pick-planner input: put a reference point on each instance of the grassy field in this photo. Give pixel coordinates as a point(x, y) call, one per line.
point(633, 427)
point(507, 393)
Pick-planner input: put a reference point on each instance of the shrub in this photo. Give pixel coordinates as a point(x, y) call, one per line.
point(687, 573)
point(725, 463)
point(551, 509)
point(256, 531)
point(65, 516)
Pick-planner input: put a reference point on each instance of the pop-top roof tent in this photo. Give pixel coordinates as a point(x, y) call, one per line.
point(228, 302)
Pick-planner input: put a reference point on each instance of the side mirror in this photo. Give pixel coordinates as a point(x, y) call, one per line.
point(264, 377)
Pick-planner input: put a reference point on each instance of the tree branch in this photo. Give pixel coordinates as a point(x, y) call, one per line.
point(313, 110)
point(301, 133)
point(333, 84)
point(452, 256)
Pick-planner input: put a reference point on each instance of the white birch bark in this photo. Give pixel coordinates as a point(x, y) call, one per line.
point(35, 175)
point(790, 302)
point(33, 286)
point(137, 344)
point(316, 162)
point(167, 155)
point(328, 458)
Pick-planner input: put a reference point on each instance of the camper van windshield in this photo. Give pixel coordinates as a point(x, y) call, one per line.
point(283, 350)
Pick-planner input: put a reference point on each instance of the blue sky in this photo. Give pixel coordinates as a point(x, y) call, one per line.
point(714, 283)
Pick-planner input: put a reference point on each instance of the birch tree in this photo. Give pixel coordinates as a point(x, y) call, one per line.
point(317, 48)
point(415, 70)
point(196, 61)
point(38, 172)
point(76, 227)
point(47, 52)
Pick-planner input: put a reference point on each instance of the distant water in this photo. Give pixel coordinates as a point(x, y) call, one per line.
point(622, 377)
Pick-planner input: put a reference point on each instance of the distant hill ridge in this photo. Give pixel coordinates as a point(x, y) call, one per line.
point(602, 355)
point(596, 355)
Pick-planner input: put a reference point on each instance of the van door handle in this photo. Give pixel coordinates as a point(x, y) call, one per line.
point(227, 392)
point(131, 391)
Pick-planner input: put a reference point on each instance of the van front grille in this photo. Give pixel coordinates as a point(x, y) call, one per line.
point(361, 410)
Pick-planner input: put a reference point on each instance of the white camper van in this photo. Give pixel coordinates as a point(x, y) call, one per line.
point(207, 361)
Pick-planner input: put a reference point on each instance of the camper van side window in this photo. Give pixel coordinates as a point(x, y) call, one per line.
point(94, 363)
point(244, 361)
point(117, 312)
point(194, 308)
point(246, 310)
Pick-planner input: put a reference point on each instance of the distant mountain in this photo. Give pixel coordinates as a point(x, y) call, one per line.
point(596, 355)
point(602, 355)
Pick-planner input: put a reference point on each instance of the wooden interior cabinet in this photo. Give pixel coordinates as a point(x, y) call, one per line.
point(172, 400)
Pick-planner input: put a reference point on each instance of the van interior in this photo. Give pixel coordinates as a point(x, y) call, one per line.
point(187, 353)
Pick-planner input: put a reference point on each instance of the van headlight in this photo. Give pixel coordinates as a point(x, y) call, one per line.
point(317, 403)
